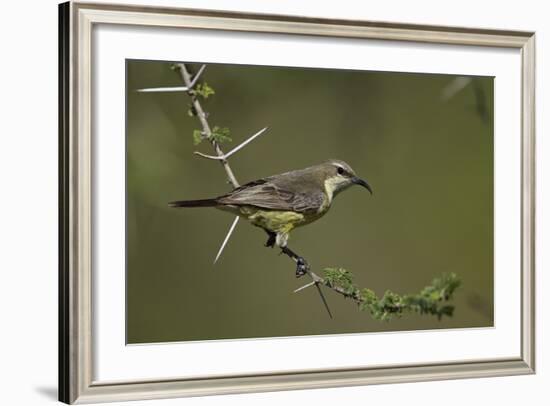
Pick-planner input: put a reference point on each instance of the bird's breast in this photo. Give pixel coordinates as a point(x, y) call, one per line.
point(327, 201)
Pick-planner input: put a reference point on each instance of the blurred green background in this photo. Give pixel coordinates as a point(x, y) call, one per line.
point(424, 142)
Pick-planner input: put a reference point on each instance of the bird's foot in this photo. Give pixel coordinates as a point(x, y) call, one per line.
point(301, 267)
point(270, 243)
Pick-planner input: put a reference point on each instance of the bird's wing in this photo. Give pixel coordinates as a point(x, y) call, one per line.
point(266, 194)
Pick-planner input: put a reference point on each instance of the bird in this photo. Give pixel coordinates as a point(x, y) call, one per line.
point(280, 203)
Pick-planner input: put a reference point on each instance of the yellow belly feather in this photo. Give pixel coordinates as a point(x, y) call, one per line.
point(276, 221)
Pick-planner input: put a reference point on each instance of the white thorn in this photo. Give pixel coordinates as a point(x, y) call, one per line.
point(163, 89)
point(233, 225)
point(217, 157)
point(197, 76)
point(244, 143)
point(174, 88)
point(305, 286)
point(237, 148)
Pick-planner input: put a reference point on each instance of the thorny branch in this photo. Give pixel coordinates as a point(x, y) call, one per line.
point(190, 82)
point(431, 299)
point(207, 131)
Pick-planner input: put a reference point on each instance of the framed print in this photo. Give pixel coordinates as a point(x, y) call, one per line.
point(256, 202)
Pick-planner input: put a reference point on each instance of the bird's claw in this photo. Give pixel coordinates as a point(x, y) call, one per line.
point(301, 267)
point(270, 243)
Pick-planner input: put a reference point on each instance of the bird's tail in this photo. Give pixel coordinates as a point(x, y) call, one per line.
point(194, 203)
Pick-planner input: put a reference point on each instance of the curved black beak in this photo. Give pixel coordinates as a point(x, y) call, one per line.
point(359, 181)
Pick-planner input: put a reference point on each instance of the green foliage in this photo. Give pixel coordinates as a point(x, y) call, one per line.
point(431, 300)
point(204, 90)
point(197, 137)
point(220, 135)
point(342, 278)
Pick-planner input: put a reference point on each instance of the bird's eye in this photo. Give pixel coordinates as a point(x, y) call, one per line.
point(340, 170)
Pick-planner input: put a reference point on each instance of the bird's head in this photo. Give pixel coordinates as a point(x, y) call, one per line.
point(339, 176)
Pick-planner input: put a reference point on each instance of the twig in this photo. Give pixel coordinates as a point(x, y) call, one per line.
point(186, 77)
point(206, 130)
point(190, 82)
point(318, 280)
point(431, 300)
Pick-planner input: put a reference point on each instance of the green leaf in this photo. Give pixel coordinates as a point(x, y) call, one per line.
point(220, 135)
point(204, 90)
point(197, 137)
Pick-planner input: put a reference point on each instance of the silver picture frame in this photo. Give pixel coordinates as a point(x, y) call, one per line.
point(76, 21)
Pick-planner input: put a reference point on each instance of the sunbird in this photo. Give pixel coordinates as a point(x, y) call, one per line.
point(280, 203)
